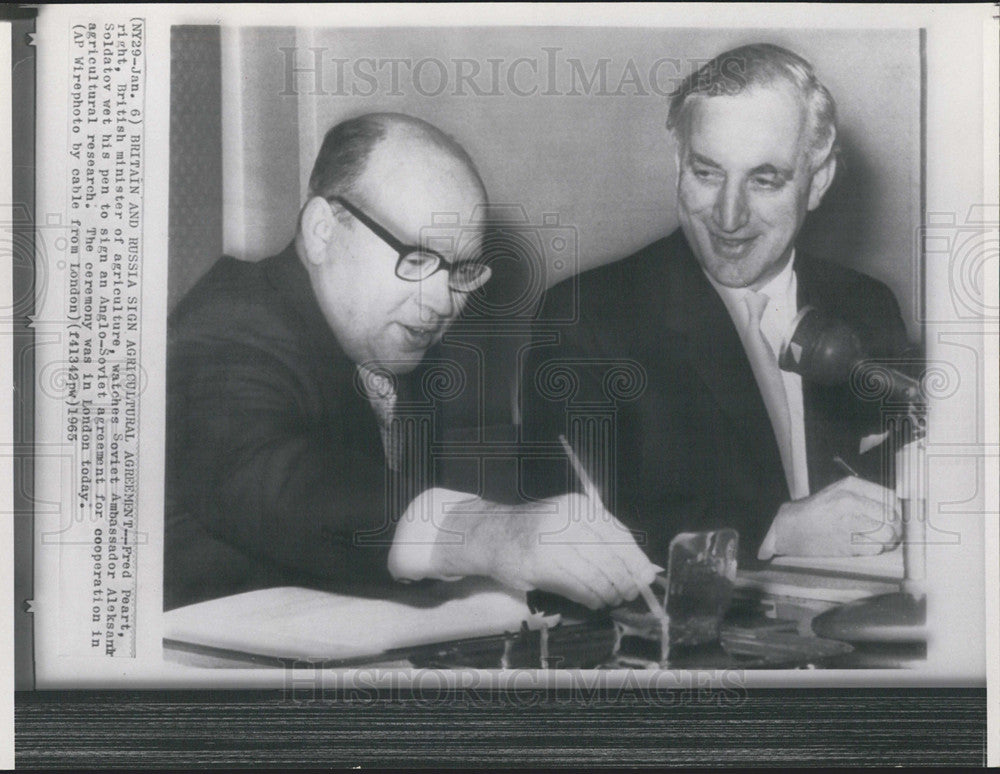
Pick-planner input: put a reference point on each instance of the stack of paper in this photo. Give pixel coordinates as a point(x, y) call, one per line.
point(299, 623)
point(834, 579)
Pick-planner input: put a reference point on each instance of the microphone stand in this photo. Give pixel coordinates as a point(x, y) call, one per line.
point(887, 630)
point(911, 465)
point(890, 630)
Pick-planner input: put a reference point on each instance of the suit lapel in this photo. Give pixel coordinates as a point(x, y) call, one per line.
point(346, 406)
point(716, 354)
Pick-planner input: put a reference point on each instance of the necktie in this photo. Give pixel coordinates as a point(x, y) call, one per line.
point(382, 396)
point(772, 388)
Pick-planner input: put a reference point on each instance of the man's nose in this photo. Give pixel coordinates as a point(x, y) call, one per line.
point(437, 299)
point(731, 212)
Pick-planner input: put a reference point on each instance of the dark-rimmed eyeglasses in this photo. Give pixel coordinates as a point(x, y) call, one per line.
point(418, 263)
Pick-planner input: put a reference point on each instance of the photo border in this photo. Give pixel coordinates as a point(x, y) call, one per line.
point(529, 728)
point(897, 726)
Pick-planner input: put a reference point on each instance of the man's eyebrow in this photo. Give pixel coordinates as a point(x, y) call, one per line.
point(770, 169)
point(763, 169)
point(703, 160)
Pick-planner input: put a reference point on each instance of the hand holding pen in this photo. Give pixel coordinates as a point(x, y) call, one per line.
point(592, 494)
point(568, 545)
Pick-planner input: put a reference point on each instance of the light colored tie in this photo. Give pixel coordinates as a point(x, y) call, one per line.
point(382, 396)
point(772, 387)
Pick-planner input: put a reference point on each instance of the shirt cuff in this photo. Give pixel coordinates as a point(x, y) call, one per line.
point(418, 532)
point(767, 548)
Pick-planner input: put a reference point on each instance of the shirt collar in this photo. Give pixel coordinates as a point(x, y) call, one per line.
point(780, 289)
point(377, 384)
point(782, 305)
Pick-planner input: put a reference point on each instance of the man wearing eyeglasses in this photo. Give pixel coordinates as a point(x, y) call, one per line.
point(286, 458)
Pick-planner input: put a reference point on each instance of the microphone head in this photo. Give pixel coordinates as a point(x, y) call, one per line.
point(820, 348)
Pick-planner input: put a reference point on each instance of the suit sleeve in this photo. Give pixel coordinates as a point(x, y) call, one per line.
point(264, 474)
point(574, 385)
point(882, 323)
point(555, 372)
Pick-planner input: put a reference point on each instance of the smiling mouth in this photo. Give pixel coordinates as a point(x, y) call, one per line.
point(729, 246)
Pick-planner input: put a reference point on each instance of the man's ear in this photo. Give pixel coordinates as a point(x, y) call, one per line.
point(821, 180)
point(318, 229)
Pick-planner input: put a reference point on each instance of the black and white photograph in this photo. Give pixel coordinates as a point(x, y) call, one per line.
point(336, 421)
point(377, 352)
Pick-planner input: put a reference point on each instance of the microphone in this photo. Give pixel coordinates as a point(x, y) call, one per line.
point(826, 350)
point(889, 629)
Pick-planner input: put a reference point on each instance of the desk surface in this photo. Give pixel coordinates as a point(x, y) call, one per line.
point(274, 626)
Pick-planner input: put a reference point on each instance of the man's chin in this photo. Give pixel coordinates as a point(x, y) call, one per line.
point(396, 361)
point(750, 271)
point(745, 273)
point(403, 363)
point(730, 276)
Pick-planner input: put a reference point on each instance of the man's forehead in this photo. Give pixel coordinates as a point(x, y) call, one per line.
point(412, 163)
point(758, 127)
point(443, 226)
point(413, 192)
point(455, 242)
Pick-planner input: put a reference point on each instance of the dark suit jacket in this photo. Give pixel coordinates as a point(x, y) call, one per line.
point(275, 468)
point(692, 446)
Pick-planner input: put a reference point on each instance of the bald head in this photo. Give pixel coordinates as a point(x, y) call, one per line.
point(349, 148)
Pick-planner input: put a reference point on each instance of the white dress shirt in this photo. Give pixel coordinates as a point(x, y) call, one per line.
point(782, 306)
point(417, 531)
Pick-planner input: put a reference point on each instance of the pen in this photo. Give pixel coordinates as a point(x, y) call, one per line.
point(591, 492)
point(839, 462)
point(581, 472)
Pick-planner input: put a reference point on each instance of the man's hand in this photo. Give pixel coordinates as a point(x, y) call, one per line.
point(851, 517)
point(570, 545)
